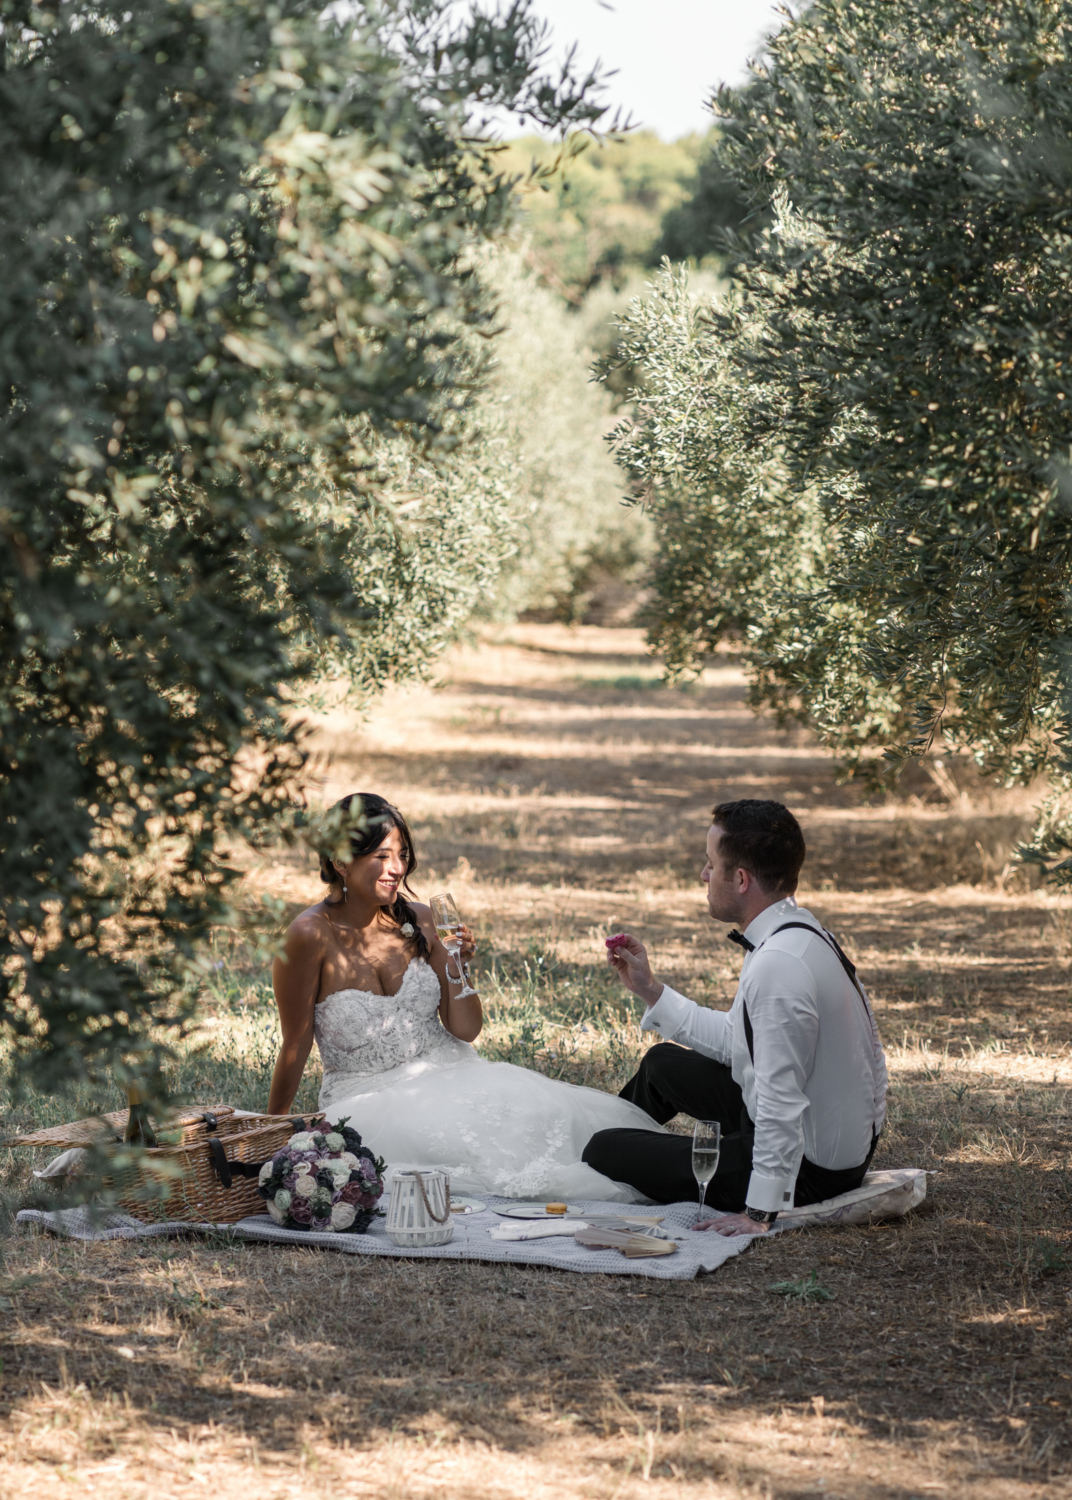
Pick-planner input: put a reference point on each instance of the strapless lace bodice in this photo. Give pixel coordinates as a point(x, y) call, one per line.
point(361, 1034)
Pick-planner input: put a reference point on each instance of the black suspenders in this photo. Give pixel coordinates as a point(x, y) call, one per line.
point(832, 942)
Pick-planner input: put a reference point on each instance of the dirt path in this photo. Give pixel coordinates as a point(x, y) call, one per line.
point(560, 787)
point(559, 791)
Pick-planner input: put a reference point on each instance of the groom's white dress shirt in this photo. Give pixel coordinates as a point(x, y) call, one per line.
point(817, 1087)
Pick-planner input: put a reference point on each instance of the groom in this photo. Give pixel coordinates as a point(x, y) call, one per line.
point(794, 1071)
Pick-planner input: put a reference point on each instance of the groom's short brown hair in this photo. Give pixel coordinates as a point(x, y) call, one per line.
point(763, 838)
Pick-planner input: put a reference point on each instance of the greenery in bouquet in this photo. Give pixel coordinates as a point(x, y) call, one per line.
point(324, 1180)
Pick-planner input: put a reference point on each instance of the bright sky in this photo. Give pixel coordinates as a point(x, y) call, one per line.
point(669, 54)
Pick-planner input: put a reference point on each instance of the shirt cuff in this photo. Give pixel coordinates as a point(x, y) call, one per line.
point(669, 1013)
point(770, 1193)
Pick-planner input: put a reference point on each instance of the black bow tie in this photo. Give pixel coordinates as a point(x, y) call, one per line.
point(741, 941)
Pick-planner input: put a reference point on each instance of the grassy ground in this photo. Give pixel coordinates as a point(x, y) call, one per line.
point(560, 792)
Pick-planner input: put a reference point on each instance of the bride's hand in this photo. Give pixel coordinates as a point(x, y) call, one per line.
point(468, 946)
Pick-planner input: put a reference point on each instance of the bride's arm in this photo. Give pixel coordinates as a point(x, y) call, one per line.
point(296, 981)
point(462, 1018)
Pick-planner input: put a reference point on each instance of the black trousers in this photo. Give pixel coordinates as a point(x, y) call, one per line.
point(674, 1080)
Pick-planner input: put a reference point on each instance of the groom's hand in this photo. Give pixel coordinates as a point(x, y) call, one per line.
point(729, 1224)
point(629, 959)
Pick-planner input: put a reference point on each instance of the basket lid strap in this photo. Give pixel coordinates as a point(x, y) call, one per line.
point(219, 1160)
point(227, 1170)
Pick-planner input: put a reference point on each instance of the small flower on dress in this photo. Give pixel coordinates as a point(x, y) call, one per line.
point(407, 929)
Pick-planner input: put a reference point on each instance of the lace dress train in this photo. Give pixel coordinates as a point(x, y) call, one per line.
point(420, 1097)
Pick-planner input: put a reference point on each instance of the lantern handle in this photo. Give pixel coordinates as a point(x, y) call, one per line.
point(439, 1219)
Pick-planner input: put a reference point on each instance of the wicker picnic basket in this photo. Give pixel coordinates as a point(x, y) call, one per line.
point(218, 1182)
point(218, 1156)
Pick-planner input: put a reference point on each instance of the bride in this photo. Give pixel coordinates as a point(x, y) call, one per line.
point(364, 974)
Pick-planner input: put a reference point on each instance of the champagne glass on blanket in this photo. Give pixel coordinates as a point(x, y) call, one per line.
point(706, 1142)
point(448, 924)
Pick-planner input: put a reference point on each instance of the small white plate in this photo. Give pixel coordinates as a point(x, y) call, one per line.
point(467, 1206)
point(539, 1211)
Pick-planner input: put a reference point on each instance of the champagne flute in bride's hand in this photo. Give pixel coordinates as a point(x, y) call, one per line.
point(706, 1143)
point(448, 924)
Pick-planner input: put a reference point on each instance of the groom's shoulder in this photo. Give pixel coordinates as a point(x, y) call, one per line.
point(798, 935)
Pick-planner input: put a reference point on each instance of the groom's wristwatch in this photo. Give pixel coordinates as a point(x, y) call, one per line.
point(761, 1215)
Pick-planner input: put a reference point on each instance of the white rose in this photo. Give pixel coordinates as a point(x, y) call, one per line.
point(340, 1178)
point(343, 1215)
point(301, 1142)
point(305, 1186)
point(281, 1201)
point(334, 1141)
point(264, 1173)
point(277, 1213)
point(350, 1159)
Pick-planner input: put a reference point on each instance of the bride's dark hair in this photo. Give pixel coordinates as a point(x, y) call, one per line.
point(377, 817)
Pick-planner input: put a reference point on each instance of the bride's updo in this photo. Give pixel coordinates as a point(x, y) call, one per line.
point(378, 816)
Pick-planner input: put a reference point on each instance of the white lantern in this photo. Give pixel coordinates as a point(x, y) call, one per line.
point(419, 1212)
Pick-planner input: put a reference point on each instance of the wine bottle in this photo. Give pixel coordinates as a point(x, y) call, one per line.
point(139, 1131)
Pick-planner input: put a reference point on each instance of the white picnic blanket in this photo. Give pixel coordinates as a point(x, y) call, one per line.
point(882, 1195)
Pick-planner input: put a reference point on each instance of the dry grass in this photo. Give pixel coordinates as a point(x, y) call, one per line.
point(557, 796)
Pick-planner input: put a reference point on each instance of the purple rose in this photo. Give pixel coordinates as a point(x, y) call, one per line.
point(301, 1211)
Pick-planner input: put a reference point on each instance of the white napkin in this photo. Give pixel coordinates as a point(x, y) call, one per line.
point(67, 1164)
point(538, 1229)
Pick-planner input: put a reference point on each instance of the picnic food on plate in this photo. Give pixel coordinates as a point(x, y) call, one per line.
point(556, 1208)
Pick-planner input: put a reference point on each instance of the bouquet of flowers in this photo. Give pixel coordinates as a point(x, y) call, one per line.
point(323, 1179)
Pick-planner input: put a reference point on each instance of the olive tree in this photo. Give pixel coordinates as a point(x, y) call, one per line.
point(861, 457)
point(238, 248)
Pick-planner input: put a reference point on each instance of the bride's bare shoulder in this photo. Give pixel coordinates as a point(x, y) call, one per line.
point(423, 912)
point(309, 930)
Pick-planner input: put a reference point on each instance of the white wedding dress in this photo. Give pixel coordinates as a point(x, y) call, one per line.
point(422, 1098)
